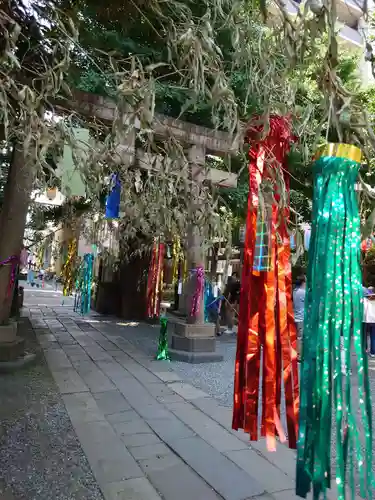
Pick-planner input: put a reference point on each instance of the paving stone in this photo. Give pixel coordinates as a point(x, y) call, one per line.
point(133, 427)
point(207, 429)
point(122, 416)
point(74, 349)
point(168, 376)
point(170, 428)
point(216, 469)
point(131, 440)
point(68, 381)
point(57, 359)
point(132, 489)
point(97, 381)
point(114, 351)
point(84, 365)
point(111, 402)
point(48, 343)
point(65, 339)
point(82, 408)
point(106, 453)
point(212, 408)
point(107, 345)
point(284, 458)
point(160, 462)
point(159, 390)
point(140, 373)
point(170, 399)
point(187, 391)
point(97, 353)
point(114, 371)
point(180, 482)
point(149, 451)
point(272, 478)
point(85, 341)
point(152, 410)
point(48, 337)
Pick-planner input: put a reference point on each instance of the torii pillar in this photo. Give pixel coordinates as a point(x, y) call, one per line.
point(193, 340)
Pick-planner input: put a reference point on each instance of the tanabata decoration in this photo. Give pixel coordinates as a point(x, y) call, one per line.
point(332, 378)
point(198, 292)
point(71, 179)
point(82, 301)
point(155, 279)
point(266, 328)
point(112, 204)
point(163, 339)
point(12, 261)
point(208, 294)
point(69, 269)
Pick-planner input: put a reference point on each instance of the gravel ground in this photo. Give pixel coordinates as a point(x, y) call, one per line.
point(40, 455)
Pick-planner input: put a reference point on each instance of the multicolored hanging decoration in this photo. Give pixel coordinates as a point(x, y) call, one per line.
point(208, 298)
point(266, 329)
point(198, 293)
point(82, 301)
point(155, 280)
point(69, 268)
point(332, 328)
point(163, 340)
point(12, 261)
point(112, 204)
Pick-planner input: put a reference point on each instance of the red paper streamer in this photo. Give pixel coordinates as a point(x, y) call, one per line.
point(154, 281)
point(266, 322)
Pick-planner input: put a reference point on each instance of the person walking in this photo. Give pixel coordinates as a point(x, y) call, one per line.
point(232, 296)
point(369, 319)
point(299, 295)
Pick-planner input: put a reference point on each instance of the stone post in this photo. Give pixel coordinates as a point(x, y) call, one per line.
point(193, 340)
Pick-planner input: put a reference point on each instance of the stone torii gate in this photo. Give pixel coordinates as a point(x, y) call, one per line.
point(192, 340)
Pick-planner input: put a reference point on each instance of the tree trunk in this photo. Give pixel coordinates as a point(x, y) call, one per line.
point(13, 221)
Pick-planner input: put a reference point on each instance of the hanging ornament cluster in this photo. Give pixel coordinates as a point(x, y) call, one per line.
point(82, 301)
point(68, 269)
point(112, 204)
point(332, 330)
point(155, 279)
point(267, 340)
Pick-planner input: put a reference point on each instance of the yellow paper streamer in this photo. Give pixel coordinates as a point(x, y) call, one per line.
point(68, 268)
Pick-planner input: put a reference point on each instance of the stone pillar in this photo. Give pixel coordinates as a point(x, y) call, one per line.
point(193, 340)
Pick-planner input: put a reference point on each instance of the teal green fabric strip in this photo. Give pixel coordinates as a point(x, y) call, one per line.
point(333, 318)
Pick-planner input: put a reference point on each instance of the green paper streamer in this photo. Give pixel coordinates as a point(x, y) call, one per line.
point(163, 340)
point(333, 321)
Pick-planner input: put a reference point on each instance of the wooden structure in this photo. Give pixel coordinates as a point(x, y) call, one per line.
point(192, 339)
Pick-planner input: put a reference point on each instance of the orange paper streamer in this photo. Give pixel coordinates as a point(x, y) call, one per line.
point(266, 330)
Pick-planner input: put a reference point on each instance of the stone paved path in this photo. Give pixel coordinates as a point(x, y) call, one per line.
point(147, 433)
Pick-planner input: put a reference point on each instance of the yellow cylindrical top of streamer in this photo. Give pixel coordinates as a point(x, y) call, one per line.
point(340, 150)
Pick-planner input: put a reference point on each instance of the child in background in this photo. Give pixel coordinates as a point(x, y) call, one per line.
point(213, 306)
